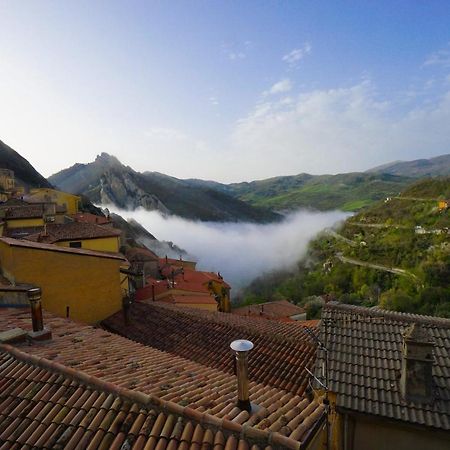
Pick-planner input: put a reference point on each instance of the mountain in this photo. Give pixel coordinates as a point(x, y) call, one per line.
point(394, 254)
point(107, 181)
point(348, 191)
point(24, 172)
point(419, 168)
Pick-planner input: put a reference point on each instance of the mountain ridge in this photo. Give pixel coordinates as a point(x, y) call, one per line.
point(107, 181)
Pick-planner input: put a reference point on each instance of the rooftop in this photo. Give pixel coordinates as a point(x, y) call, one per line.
point(27, 211)
point(204, 393)
point(90, 218)
point(270, 310)
point(56, 232)
point(54, 248)
point(189, 279)
point(364, 362)
point(281, 353)
point(189, 300)
point(47, 405)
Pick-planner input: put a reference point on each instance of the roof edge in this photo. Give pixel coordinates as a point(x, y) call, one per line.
point(151, 401)
point(392, 315)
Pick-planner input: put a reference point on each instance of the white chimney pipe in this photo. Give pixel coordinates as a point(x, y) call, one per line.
point(242, 347)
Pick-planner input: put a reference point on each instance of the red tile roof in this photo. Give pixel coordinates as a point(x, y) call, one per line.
point(24, 211)
point(279, 358)
point(189, 280)
point(139, 254)
point(47, 405)
point(54, 248)
point(72, 231)
point(204, 393)
point(189, 300)
point(270, 310)
point(91, 218)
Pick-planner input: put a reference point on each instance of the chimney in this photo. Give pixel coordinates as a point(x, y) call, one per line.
point(416, 381)
point(241, 348)
point(39, 333)
point(34, 296)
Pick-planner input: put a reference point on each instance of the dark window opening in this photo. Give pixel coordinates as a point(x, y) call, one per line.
point(75, 244)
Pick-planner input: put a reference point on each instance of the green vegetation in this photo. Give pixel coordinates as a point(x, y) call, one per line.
point(349, 192)
point(396, 254)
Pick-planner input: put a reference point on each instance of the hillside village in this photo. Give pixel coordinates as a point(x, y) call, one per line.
point(104, 345)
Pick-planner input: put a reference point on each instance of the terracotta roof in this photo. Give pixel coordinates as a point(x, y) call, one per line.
point(190, 280)
point(189, 299)
point(284, 419)
point(54, 248)
point(21, 232)
point(24, 211)
point(278, 359)
point(90, 218)
point(365, 352)
point(46, 405)
point(72, 231)
point(139, 254)
point(270, 310)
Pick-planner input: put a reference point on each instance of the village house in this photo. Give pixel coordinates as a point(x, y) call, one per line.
point(88, 388)
point(82, 284)
point(387, 375)
point(187, 287)
point(69, 202)
point(7, 184)
point(85, 235)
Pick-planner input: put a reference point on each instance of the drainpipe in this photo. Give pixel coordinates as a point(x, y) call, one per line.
point(241, 348)
point(34, 296)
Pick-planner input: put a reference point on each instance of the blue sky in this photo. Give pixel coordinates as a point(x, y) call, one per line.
point(225, 90)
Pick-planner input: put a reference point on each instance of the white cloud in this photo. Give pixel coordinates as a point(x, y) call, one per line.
point(281, 86)
point(294, 56)
point(337, 130)
point(242, 251)
point(440, 58)
point(233, 56)
point(213, 101)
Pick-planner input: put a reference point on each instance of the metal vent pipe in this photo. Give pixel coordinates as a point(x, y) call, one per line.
point(34, 296)
point(241, 348)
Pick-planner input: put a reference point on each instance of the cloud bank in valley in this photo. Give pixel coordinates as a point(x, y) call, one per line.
point(240, 251)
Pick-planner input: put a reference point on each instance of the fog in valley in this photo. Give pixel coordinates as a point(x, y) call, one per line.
point(239, 251)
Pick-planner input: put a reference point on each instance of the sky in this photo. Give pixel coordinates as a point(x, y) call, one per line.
point(225, 90)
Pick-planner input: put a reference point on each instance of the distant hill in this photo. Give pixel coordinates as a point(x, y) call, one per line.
point(419, 168)
point(394, 254)
point(25, 173)
point(348, 191)
point(107, 181)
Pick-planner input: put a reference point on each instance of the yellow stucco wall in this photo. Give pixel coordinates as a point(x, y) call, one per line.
point(59, 197)
point(23, 223)
point(223, 293)
point(88, 285)
point(109, 244)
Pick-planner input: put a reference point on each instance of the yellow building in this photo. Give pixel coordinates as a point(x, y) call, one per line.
point(7, 184)
point(80, 235)
point(82, 284)
point(70, 202)
point(23, 215)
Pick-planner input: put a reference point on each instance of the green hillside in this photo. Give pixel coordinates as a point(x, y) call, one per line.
point(348, 192)
point(395, 254)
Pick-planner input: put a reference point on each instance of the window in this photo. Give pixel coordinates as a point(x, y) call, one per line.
point(75, 244)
